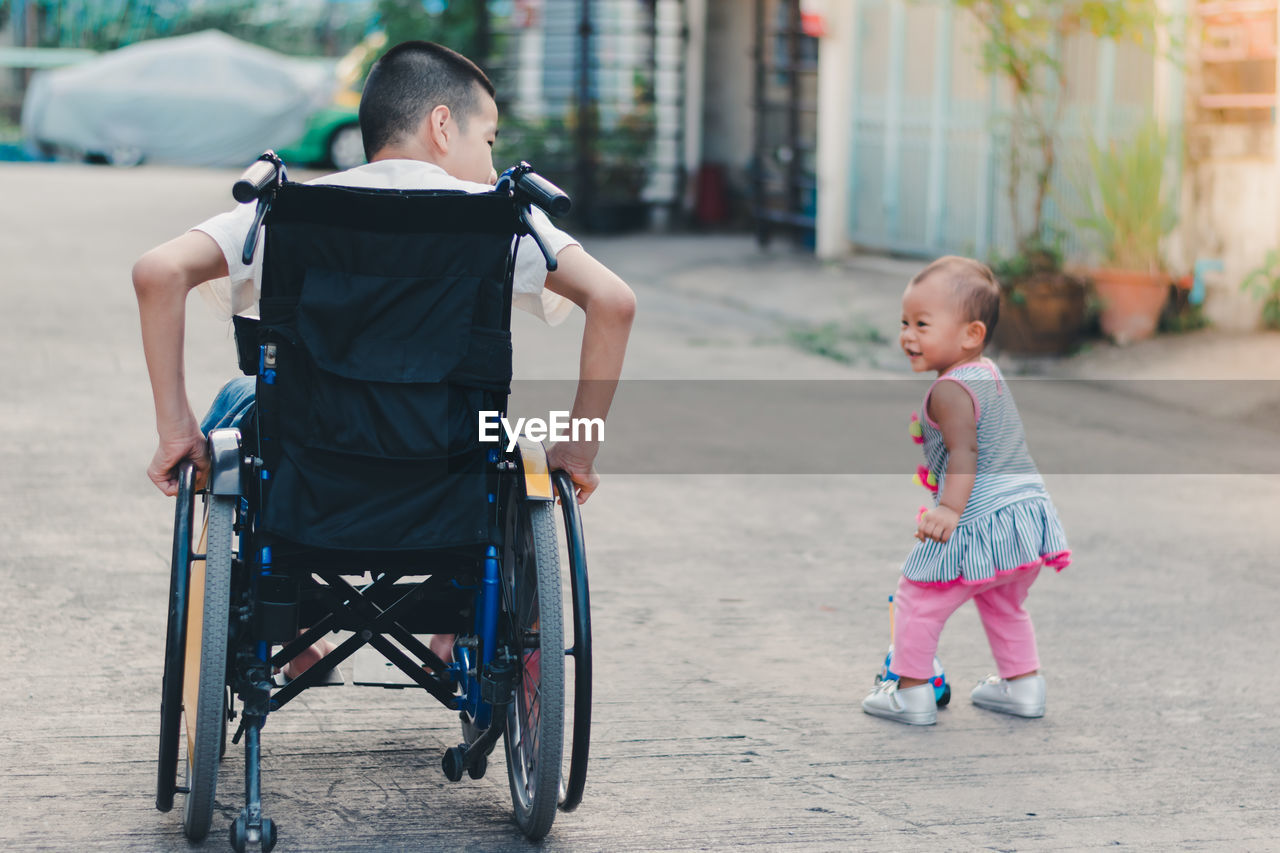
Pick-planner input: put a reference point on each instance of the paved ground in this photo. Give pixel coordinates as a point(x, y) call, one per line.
point(739, 617)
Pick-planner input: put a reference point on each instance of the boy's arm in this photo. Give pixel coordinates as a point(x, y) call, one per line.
point(610, 307)
point(162, 278)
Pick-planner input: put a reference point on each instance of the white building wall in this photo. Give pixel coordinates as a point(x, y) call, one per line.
point(836, 91)
point(1230, 212)
point(727, 112)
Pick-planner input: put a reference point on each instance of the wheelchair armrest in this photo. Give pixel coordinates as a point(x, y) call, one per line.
point(224, 462)
point(246, 329)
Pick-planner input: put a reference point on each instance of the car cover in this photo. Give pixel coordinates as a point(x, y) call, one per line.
point(204, 99)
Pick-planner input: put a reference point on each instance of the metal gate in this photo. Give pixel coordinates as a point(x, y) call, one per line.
point(591, 93)
point(783, 173)
point(930, 141)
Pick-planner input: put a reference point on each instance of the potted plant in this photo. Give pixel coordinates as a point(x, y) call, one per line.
point(1043, 309)
point(1131, 211)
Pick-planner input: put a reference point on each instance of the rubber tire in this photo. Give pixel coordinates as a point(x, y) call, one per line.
point(239, 834)
point(202, 764)
point(577, 615)
point(175, 641)
point(535, 747)
point(346, 148)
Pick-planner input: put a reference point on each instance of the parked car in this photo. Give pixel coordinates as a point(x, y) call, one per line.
point(203, 99)
point(332, 137)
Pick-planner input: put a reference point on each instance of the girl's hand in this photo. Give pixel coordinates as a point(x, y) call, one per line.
point(951, 405)
point(937, 524)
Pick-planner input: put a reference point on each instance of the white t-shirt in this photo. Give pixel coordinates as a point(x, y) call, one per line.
point(238, 293)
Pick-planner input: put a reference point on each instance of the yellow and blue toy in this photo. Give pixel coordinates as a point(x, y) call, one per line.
point(941, 687)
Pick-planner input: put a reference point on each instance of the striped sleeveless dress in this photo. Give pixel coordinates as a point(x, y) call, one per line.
point(1009, 522)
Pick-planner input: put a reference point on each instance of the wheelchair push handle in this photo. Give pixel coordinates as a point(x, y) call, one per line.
point(264, 172)
point(543, 193)
point(261, 174)
point(528, 186)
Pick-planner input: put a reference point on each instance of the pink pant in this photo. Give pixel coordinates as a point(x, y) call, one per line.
point(920, 611)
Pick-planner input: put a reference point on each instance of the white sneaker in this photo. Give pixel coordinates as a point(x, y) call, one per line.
point(915, 706)
point(1022, 697)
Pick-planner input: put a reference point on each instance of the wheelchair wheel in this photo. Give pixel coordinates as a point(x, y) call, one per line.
point(204, 684)
point(579, 685)
point(175, 641)
point(534, 737)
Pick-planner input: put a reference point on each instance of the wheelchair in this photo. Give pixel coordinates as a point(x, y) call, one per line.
point(357, 497)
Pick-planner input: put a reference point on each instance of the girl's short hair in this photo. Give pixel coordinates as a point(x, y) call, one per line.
point(974, 285)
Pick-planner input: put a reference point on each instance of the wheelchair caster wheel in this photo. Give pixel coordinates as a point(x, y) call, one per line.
point(945, 697)
point(268, 834)
point(478, 767)
point(452, 764)
point(240, 834)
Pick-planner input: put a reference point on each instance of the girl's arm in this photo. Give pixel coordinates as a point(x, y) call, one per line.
point(951, 407)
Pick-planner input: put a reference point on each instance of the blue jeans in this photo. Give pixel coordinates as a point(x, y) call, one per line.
point(231, 405)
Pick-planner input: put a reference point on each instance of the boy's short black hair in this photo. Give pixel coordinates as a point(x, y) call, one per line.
point(408, 82)
point(975, 286)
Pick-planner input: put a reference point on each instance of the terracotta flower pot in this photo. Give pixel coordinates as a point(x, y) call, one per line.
point(1046, 317)
point(1131, 302)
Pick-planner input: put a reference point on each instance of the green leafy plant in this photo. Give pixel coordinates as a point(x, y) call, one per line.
point(9, 131)
point(1035, 258)
point(454, 24)
point(1131, 208)
point(619, 156)
point(1021, 46)
point(1264, 284)
point(1180, 315)
point(276, 24)
point(841, 342)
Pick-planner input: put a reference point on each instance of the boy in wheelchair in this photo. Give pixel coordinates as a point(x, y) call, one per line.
point(429, 119)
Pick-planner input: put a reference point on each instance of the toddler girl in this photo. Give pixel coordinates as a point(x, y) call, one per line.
point(993, 525)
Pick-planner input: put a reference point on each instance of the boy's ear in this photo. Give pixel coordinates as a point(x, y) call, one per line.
point(437, 130)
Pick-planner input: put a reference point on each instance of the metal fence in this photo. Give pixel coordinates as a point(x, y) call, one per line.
point(591, 93)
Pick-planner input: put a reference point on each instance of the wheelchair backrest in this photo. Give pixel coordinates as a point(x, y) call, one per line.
point(385, 329)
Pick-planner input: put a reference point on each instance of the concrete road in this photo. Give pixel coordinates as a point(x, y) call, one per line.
point(738, 618)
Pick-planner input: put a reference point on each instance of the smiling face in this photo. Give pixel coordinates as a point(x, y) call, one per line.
point(936, 335)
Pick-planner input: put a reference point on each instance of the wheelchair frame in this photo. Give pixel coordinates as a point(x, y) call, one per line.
point(227, 608)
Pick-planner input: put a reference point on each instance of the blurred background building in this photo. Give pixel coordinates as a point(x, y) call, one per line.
point(841, 125)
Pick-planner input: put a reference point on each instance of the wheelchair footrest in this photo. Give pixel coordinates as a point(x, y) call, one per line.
point(371, 669)
point(332, 678)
